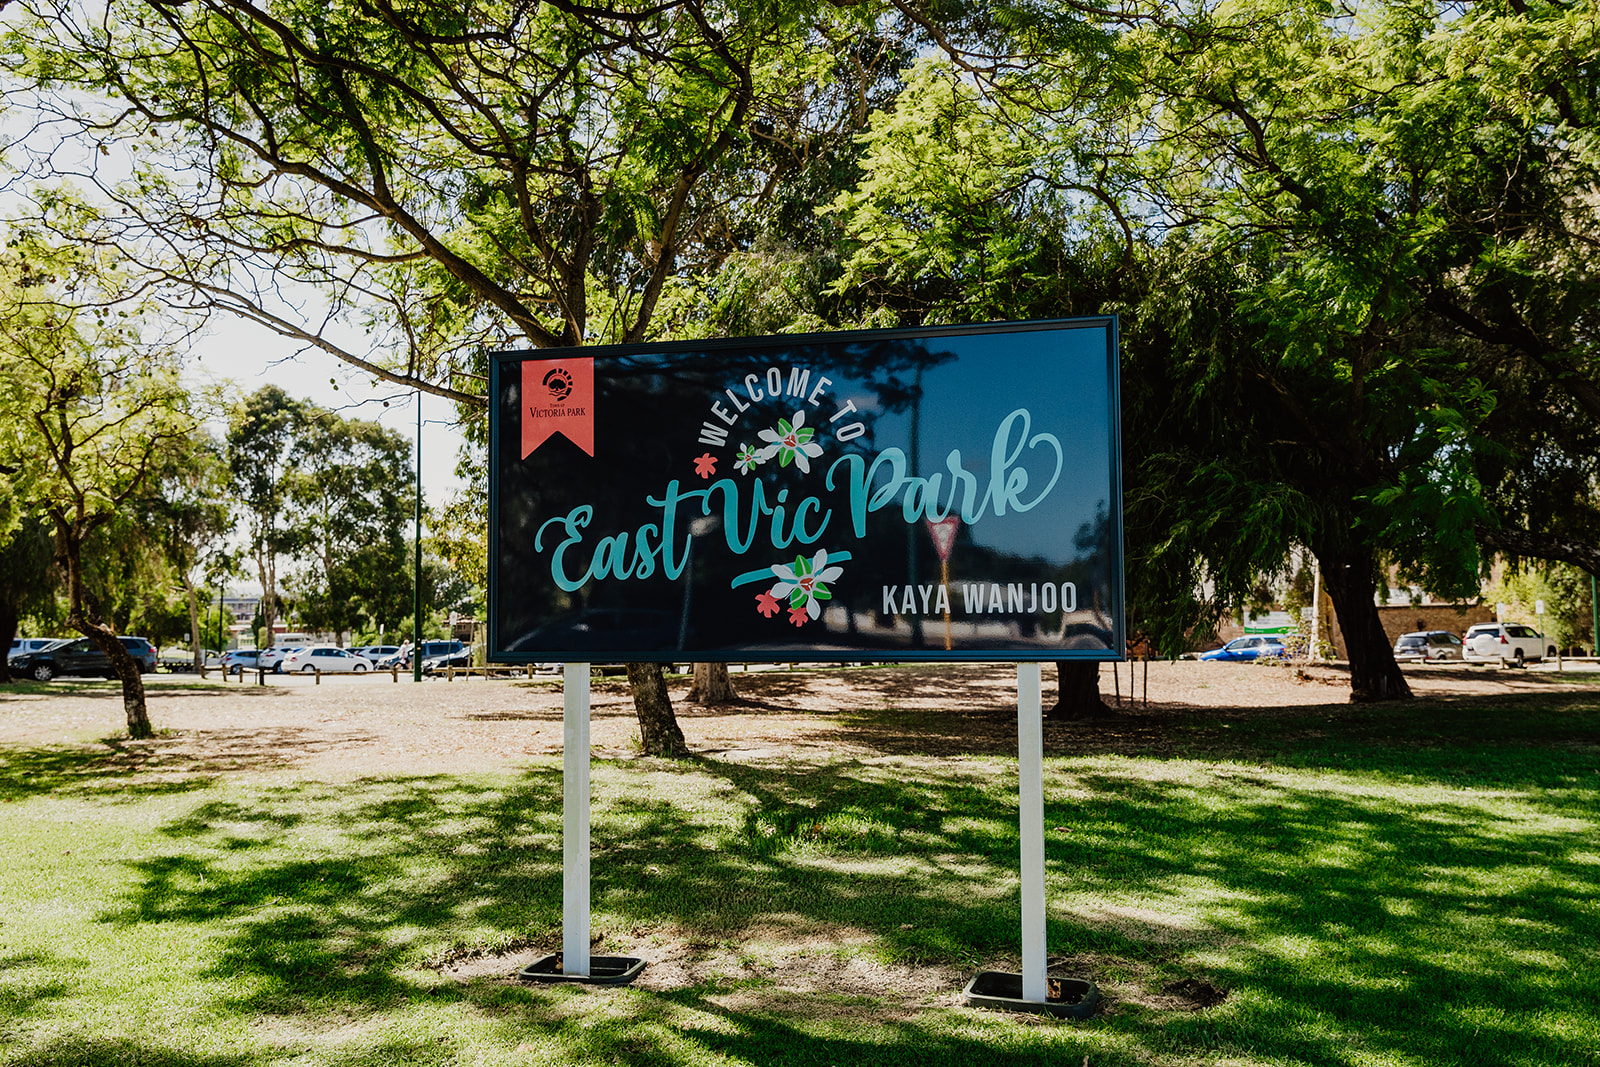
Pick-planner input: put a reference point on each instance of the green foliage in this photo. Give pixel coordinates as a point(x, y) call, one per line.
point(333, 492)
point(453, 180)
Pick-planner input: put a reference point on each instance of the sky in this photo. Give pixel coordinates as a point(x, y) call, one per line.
point(243, 357)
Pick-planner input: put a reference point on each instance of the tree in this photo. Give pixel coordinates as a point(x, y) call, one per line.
point(1343, 194)
point(1359, 250)
point(189, 515)
point(262, 433)
point(352, 492)
point(93, 409)
point(453, 180)
point(27, 577)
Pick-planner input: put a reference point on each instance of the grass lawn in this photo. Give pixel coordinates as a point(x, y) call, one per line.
point(1393, 885)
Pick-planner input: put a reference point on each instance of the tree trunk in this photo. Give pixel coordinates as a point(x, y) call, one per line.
point(1347, 575)
point(659, 734)
point(1078, 691)
point(712, 685)
point(194, 626)
point(8, 631)
point(83, 615)
point(127, 671)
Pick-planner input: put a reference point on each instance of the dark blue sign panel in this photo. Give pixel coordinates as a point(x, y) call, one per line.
point(946, 493)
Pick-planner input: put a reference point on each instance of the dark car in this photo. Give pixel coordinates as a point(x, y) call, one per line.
point(429, 650)
point(82, 657)
point(462, 658)
point(143, 652)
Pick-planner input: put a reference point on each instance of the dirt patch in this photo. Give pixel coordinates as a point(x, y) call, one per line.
point(370, 726)
point(745, 978)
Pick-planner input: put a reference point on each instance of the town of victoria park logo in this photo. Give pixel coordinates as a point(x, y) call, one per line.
point(798, 588)
point(559, 382)
point(558, 397)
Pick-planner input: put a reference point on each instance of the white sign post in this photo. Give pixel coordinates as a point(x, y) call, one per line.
point(575, 822)
point(1030, 797)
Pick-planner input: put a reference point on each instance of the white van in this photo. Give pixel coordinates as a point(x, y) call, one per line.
point(19, 645)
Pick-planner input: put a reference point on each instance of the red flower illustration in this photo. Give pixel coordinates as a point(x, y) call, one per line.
point(705, 465)
point(798, 615)
point(767, 604)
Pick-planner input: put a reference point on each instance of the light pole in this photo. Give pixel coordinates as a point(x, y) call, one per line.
point(416, 566)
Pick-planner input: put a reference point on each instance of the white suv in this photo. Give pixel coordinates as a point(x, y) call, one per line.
point(1493, 642)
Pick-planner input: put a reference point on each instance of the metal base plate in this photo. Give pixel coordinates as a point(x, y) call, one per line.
point(1066, 998)
point(603, 970)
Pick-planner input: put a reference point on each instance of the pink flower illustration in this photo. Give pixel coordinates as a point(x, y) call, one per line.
point(705, 465)
point(767, 604)
point(798, 616)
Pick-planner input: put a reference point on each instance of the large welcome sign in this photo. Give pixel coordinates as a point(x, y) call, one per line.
point(947, 493)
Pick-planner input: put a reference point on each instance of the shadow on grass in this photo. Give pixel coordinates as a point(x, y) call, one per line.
point(155, 688)
point(1431, 892)
point(1412, 907)
point(86, 1051)
point(116, 768)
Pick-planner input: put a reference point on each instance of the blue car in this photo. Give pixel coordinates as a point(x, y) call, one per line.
point(1249, 647)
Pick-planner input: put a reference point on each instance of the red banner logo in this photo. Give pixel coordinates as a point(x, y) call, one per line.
point(558, 397)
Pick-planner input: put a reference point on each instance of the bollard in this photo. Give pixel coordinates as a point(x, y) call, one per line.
point(394, 673)
point(318, 672)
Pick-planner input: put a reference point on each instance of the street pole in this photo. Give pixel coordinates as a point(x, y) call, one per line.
point(1594, 608)
point(416, 567)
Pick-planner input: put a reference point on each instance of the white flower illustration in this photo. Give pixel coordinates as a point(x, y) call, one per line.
point(791, 443)
point(805, 583)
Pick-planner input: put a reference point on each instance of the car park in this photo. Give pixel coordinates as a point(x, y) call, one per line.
point(1429, 646)
point(1248, 648)
point(1511, 642)
point(325, 658)
point(79, 656)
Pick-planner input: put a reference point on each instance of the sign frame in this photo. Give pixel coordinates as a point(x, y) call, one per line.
point(504, 364)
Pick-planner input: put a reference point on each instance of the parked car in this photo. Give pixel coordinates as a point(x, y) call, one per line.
point(462, 658)
point(377, 653)
point(239, 660)
point(1249, 647)
point(79, 656)
point(428, 651)
point(1428, 646)
point(397, 658)
point(19, 645)
point(272, 658)
point(324, 658)
point(182, 659)
point(1493, 642)
point(143, 652)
